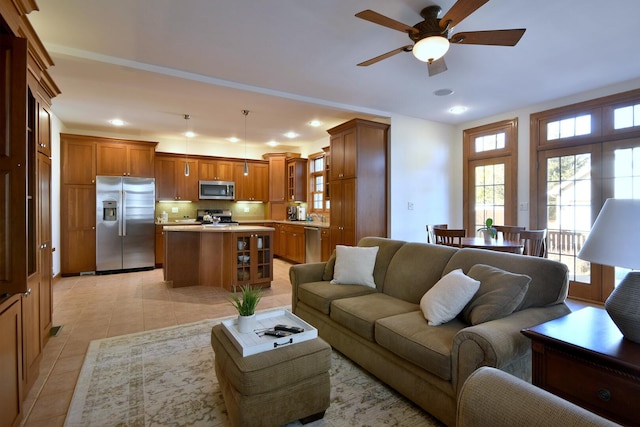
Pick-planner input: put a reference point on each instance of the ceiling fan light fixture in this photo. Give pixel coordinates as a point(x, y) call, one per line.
point(430, 48)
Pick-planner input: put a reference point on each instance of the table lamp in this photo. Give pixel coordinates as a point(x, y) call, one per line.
point(614, 241)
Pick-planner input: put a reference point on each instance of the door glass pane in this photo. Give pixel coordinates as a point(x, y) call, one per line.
point(569, 211)
point(626, 185)
point(489, 194)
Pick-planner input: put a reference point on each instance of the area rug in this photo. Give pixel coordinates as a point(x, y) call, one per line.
point(166, 377)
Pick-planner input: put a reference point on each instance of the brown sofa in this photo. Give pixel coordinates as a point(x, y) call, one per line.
point(383, 329)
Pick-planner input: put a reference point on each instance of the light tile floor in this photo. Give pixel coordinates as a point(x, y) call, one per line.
point(94, 307)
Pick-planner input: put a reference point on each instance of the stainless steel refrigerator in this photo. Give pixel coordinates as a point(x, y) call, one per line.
point(125, 229)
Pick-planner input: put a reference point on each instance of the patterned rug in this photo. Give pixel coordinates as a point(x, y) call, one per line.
point(166, 377)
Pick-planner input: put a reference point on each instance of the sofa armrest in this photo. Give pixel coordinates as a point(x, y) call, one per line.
point(512, 401)
point(304, 273)
point(499, 343)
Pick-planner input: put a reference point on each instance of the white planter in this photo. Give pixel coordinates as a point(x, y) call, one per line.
point(246, 324)
point(487, 236)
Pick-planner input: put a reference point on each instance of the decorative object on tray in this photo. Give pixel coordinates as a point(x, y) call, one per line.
point(613, 241)
point(488, 231)
point(247, 307)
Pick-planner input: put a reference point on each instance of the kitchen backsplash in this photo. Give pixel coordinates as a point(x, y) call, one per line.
point(239, 210)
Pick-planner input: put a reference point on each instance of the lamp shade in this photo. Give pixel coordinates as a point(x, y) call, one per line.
point(615, 235)
point(430, 48)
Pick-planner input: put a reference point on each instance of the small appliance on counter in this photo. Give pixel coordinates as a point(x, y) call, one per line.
point(297, 213)
point(213, 216)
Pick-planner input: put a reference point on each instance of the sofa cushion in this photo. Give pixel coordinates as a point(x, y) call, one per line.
point(414, 269)
point(354, 266)
point(549, 279)
point(499, 294)
point(446, 299)
point(327, 274)
point(319, 295)
point(429, 347)
point(359, 314)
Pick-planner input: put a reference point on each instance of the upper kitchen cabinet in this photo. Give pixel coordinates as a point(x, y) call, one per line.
point(125, 158)
point(358, 180)
point(171, 181)
point(78, 160)
point(297, 180)
point(44, 128)
point(255, 185)
point(215, 170)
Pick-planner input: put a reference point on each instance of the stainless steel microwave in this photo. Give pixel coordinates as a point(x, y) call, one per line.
point(217, 190)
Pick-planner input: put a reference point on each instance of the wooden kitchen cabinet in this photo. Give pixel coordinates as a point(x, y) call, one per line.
point(171, 183)
point(297, 180)
point(78, 160)
point(325, 245)
point(255, 185)
point(277, 208)
point(215, 170)
point(44, 129)
point(292, 243)
point(125, 158)
point(11, 355)
point(253, 259)
point(358, 183)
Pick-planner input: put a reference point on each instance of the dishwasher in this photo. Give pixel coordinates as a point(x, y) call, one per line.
point(312, 244)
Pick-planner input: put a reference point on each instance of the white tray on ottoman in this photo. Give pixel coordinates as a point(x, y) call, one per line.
point(255, 342)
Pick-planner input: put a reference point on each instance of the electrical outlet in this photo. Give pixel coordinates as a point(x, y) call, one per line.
point(246, 209)
point(524, 207)
point(410, 206)
point(174, 210)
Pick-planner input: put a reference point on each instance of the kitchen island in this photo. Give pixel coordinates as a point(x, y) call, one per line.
point(219, 256)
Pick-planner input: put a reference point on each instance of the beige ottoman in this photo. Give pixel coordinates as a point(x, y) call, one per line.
point(274, 387)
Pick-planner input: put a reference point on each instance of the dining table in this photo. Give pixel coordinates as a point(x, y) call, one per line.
point(499, 244)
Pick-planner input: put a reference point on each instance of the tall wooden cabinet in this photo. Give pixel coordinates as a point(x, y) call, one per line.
point(277, 208)
point(358, 181)
point(25, 225)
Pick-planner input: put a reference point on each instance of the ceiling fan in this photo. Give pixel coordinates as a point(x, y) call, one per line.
point(431, 36)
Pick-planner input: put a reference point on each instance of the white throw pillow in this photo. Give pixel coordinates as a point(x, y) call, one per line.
point(354, 265)
point(448, 297)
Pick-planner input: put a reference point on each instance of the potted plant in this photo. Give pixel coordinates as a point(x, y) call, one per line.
point(488, 230)
point(247, 307)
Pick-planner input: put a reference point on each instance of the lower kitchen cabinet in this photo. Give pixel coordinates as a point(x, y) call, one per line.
point(254, 259)
point(292, 243)
point(11, 357)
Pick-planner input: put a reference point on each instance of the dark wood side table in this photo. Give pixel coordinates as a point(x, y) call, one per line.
point(582, 357)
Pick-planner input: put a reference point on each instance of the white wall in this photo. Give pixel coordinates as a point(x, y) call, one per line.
point(425, 171)
point(56, 128)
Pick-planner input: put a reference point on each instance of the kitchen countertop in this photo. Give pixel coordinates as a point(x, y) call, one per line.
point(318, 224)
point(217, 228)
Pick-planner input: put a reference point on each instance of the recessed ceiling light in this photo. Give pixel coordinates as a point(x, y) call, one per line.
point(443, 92)
point(458, 109)
point(233, 139)
point(315, 123)
point(272, 143)
point(117, 122)
point(189, 134)
point(291, 134)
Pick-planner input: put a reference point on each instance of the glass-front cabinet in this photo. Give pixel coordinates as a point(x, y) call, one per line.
point(254, 258)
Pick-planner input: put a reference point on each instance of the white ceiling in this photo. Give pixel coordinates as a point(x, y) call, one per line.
point(150, 62)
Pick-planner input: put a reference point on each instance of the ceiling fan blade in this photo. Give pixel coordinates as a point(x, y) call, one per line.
point(493, 37)
point(460, 10)
point(376, 18)
point(406, 48)
point(436, 67)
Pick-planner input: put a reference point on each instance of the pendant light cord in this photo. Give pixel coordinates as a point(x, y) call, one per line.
point(186, 144)
point(246, 166)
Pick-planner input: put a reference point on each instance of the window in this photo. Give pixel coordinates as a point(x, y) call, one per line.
point(490, 178)
point(626, 117)
point(317, 183)
point(570, 127)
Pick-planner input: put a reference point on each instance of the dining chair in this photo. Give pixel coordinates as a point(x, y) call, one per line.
point(534, 242)
point(431, 237)
point(449, 236)
point(510, 232)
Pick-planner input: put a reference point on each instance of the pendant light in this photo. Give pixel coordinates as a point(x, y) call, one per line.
point(246, 166)
point(186, 145)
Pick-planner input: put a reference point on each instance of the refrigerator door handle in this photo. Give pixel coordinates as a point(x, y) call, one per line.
point(123, 218)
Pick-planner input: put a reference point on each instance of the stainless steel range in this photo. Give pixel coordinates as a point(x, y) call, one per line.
point(210, 216)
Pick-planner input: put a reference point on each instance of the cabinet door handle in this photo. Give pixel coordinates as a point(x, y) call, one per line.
point(26, 294)
point(604, 395)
